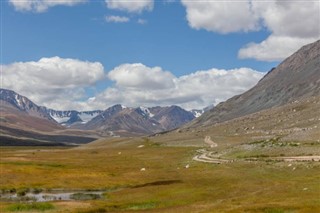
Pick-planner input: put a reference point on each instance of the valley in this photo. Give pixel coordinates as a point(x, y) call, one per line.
point(171, 180)
point(255, 152)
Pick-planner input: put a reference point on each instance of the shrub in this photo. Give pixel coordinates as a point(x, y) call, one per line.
point(13, 190)
point(36, 190)
point(84, 196)
point(22, 192)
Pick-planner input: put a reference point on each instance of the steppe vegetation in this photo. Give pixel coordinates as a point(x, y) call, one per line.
point(139, 174)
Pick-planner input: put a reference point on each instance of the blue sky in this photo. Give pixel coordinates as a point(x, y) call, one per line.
point(171, 36)
point(165, 40)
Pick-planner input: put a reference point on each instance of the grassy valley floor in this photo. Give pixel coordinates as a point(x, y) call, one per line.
point(140, 175)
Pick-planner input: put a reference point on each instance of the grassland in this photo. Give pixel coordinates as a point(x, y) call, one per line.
point(165, 184)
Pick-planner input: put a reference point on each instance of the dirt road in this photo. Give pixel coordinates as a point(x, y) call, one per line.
point(208, 156)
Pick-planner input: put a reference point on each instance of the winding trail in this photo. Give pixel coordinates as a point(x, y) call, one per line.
point(208, 156)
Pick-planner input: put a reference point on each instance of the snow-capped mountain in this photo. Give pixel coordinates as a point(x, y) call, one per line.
point(23, 104)
point(70, 117)
point(116, 120)
point(9, 97)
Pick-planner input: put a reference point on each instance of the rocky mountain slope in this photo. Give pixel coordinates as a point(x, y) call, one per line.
point(13, 100)
point(21, 113)
point(171, 117)
point(295, 78)
point(120, 120)
point(22, 122)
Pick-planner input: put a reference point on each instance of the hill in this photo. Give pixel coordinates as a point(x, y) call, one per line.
point(295, 78)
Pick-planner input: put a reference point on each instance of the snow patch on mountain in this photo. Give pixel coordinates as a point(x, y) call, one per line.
point(197, 114)
point(88, 115)
point(73, 116)
point(16, 97)
point(146, 112)
point(60, 119)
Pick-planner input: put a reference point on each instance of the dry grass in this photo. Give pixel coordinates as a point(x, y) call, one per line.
point(165, 185)
point(296, 121)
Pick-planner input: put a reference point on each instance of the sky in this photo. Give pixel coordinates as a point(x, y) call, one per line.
point(85, 55)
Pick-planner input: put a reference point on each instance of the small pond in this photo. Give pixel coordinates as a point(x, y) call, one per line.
point(53, 196)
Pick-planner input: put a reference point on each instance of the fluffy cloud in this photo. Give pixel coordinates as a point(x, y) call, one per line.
point(40, 6)
point(53, 82)
point(221, 16)
point(213, 86)
point(61, 84)
point(274, 48)
point(290, 18)
point(130, 6)
point(137, 84)
point(140, 76)
point(291, 23)
point(117, 19)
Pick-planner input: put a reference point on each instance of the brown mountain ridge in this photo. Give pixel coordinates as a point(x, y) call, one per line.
point(295, 78)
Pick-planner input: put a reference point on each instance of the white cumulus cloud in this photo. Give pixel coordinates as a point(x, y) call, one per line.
point(291, 23)
point(136, 6)
point(61, 83)
point(221, 16)
point(54, 82)
point(215, 85)
point(274, 48)
point(40, 6)
point(140, 76)
point(137, 84)
point(117, 19)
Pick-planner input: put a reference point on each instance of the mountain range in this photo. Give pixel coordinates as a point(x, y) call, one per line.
point(284, 102)
point(122, 120)
point(20, 113)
